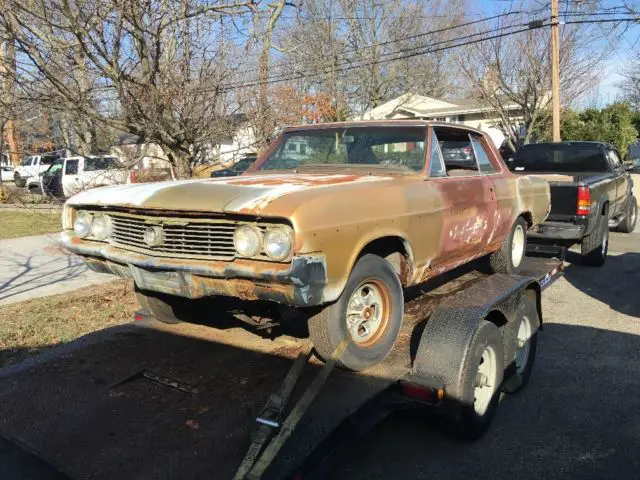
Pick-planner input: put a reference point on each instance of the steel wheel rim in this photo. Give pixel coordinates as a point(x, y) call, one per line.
point(517, 246)
point(368, 312)
point(486, 379)
point(523, 340)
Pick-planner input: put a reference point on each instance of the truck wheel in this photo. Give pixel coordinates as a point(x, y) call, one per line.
point(369, 312)
point(525, 328)
point(595, 246)
point(628, 224)
point(17, 179)
point(509, 258)
point(160, 305)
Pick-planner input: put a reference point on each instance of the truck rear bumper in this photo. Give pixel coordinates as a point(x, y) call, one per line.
point(558, 231)
point(302, 283)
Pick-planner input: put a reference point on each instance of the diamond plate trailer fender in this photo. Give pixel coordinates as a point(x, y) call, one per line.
point(452, 325)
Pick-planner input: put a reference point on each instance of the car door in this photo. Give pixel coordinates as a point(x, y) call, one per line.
point(468, 199)
point(70, 180)
point(622, 179)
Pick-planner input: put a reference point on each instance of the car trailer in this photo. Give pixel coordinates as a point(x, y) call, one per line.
point(159, 403)
point(440, 363)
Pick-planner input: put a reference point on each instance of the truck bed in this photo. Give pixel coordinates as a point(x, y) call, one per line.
point(153, 401)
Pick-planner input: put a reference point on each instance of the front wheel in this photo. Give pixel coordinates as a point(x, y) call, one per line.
point(628, 223)
point(368, 313)
point(509, 258)
point(17, 179)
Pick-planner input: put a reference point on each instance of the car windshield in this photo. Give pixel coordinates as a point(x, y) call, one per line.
point(101, 163)
point(565, 158)
point(390, 148)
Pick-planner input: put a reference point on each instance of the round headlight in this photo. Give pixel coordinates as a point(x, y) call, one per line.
point(82, 224)
point(277, 243)
point(101, 227)
point(247, 240)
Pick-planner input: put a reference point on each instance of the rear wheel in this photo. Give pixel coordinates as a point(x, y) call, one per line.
point(526, 343)
point(368, 313)
point(595, 246)
point(162, 306)
point(628, 223)
point(509, 258)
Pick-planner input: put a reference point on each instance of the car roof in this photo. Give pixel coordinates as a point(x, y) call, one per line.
point(409, 122)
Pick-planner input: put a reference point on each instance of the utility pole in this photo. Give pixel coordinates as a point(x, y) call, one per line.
point(555, 72)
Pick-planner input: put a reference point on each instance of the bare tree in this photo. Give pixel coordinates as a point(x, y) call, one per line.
point(153, 68)
point(512, 74)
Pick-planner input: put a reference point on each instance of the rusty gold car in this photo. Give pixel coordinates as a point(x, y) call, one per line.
point(334, 219)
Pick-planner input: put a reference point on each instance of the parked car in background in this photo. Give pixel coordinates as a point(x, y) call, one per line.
point(7, 173)
point(30, 169)
point(68, 176)
point(237, 168)
point(336, 231)
point(633, 158)
point(591, 191)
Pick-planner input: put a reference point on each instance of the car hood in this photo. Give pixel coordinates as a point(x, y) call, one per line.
point(244, 194)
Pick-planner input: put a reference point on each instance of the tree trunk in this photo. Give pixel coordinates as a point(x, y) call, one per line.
point(8, 71)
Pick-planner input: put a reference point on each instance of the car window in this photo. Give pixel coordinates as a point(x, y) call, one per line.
point(457, 152)
point(71, 167)
point(614, 159)
point(27, 162)
point(436, 165)
point(56, 166)
point(47, 160)
point(481, 155)
point(101, 163)
point(560, 157)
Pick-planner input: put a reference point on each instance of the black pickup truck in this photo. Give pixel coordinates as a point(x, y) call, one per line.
point(591, 192)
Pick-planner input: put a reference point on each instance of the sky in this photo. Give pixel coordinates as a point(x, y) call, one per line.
point(621, 46)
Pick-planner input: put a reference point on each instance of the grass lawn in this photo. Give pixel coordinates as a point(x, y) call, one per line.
point(27, 328)
point(21, 223)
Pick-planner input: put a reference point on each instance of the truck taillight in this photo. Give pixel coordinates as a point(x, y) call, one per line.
point(584, 201)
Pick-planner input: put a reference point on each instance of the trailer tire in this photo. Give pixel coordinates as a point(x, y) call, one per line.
point(524, 333)
point(594, 247)
point(160, 305)
point(449, 353)
point(374, 278)
point(509, 258)
point(628, 223)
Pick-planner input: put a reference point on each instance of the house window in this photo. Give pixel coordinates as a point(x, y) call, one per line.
point(303, 149)
point(292, 147)
point(460, 118)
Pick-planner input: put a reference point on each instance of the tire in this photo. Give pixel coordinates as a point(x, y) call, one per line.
point(34, 189)
point(594, 247)
point(474, 419)
point(374, 278)
point(17, 179)
point(628, 224)
point(509, 258)
point(525, 336)
point(160, 305)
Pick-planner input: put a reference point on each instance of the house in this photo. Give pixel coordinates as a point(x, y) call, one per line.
point(226, 152)
point(464, 111)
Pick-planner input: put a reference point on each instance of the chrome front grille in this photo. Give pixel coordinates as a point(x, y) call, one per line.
point(210, 239)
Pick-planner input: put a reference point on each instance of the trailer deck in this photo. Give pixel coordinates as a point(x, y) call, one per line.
point(154, 401)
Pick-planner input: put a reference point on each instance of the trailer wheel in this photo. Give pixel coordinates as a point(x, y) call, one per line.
point(595, 246)
point(525, 328)
point(628, 223)
point(509, 258)
point(160, 305)
point(369, 312)
point(466, 356)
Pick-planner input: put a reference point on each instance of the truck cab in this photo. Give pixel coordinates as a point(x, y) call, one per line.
point(31, 168)
point(68, 176)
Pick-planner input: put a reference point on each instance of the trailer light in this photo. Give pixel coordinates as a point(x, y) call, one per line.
point(584, 201)
point(432, 396)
